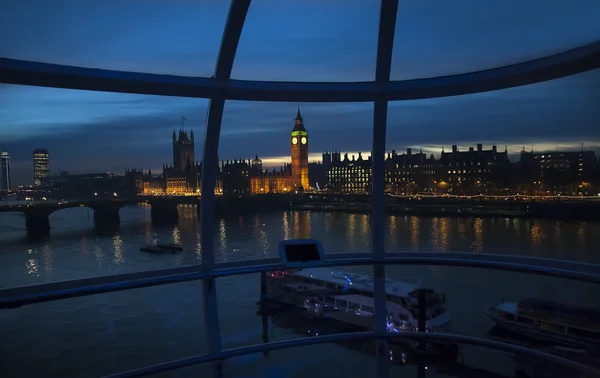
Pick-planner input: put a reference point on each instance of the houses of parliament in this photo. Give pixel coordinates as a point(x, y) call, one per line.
point(473, 171)
point(237, 176)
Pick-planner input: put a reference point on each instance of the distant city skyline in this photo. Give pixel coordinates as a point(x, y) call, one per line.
point(95, 131)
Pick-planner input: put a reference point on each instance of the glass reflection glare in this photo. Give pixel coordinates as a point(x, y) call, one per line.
point(118, 249)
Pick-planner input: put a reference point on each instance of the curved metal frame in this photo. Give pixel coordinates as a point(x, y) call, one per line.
point(220, 88)
point(51, 291)
point(305, 341)
point(571, 62)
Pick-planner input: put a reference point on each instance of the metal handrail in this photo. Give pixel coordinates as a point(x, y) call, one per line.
point(46, 292)
point(305, 341)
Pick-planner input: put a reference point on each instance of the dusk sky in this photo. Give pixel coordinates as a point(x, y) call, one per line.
point(308, 40)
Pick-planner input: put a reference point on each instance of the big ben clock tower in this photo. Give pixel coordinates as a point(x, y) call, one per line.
point(299, 146)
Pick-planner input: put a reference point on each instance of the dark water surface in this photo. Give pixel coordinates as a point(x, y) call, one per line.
point(108, 333)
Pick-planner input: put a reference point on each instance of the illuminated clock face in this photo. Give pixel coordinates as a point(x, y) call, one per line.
point(294, 140)
point(303, 140)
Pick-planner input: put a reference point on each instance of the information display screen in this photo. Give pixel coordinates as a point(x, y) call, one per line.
point(302, 252)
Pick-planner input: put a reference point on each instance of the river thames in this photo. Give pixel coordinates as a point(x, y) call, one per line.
point(108, 333)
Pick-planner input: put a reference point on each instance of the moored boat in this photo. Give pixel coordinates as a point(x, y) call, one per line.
point(549, 320)
point(171, 246)
point(153, 249)
point(348, 297)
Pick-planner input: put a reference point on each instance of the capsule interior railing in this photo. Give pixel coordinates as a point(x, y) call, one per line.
point(26, 295)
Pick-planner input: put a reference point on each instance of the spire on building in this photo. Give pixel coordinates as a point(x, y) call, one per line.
point(298, 115)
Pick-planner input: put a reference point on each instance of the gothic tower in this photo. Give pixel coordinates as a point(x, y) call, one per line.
point(183, 151)
point(299, 147)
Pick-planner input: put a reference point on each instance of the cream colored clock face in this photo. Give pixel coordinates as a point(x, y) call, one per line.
point(303, 140)
point(294, 140)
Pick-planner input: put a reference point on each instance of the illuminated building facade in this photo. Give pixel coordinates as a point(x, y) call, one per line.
point(299, 149)
point(180, 178)
point(474, 171)
point(41, 165)
point(350, 175)
point(410, 173)
point(5, 171)
point(558, 171)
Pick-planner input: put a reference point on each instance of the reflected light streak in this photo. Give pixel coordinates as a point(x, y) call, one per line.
point(198, 247)
point(536, 234)
point(352, 231)
point(286, 226)
point(176, 237)
point(32, 267)
point(365, 226)
point(478, 235)
point(48, 259)
point(517, 226)
point(393, 230)
point(415, 226)
point(444, 234)
point(557, 231)
point(302, 225)
point(462, 229)
point(118, 249)
point(222, 235)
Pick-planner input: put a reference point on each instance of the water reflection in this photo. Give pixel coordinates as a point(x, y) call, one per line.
point(516, 226)
point(222, 236)
point(286, 226)
point(302, 225)
point(187, 219)
point(365, 225)
point(351, 231)
point(176, 235)
point(118, 249)
point(31, 265)
point(262, 236)
point(462, 230)
point(477, 245)
point(47, 253)
point(537, 234)
point(393, 229)
point(414, 232)
point(440, 234)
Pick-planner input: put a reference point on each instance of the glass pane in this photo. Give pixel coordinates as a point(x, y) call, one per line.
point(258, 141)
point(103, 151)
point(308, 41)
point(477, 150)
point(437, 37)
point(103, 334)
point(175, 37)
